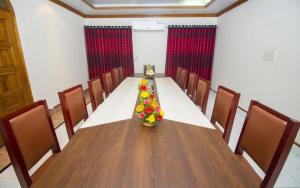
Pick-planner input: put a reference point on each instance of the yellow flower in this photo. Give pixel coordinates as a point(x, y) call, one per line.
point(151, 119)
point(154, 104)
point(139, 108)
point(144, 94)
point(144, 82)
point(161, 113)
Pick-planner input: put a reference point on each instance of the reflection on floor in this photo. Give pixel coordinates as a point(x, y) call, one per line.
point(289, 176)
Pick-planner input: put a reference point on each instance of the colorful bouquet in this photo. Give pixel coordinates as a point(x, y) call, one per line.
point(148, 110)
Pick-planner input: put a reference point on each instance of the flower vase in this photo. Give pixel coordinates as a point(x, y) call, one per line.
point(146, 124)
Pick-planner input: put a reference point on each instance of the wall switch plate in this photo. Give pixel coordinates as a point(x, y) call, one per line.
point(270, 55)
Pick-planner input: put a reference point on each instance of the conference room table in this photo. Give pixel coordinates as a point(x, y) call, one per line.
point(113, 149)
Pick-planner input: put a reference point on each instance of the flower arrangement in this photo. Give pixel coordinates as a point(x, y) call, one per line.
point(148, 110)
point(149, 70)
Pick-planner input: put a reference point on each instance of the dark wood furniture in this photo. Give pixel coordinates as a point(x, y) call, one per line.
point(267, 137)
point(183, 79)
point(201, 94)
point(126, 154)
point(107, 83)
point(121, 73)
point(224, 110)
point(115, 77)
point(96, 92)
point(178, 72)
point(192, 83)
point(28, 136)
point(73, 106)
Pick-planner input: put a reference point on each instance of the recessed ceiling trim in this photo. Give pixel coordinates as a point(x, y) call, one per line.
point(147, 7)
point(149, 15)
point(230, 7)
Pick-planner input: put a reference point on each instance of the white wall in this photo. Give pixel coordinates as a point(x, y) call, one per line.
point(149, 47)
point(53, 43)
point(242, 36)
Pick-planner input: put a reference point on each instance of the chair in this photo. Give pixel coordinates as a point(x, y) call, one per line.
point(73, 106)
point(201, 95)
point(121, 73)
point(267, 137)
point(178, 72)
point(107, 83)
point(192, 83)
point(115, 77)
point(224, 110)
point(183, 79)
point(96, 92)
point(28, 135)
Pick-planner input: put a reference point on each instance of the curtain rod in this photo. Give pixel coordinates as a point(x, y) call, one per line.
point(192, 26)
point(107, 27)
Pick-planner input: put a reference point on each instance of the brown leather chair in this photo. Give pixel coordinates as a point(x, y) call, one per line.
point(201, 95)
point(73, 106)
point(224, 110)
point(28, 135)
point(183, 79)
point(192, 83)
point(267, 137)
point(115, 77)
point(121, 74)
point(96, 92)
point(107, 83)
point(178, 72)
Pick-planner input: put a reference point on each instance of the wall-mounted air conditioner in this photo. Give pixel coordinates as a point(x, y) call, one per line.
point(148, 25)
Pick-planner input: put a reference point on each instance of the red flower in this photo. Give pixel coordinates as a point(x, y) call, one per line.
point(159, 117)
point(143, 88)
point(148, 110)
point(151, 96)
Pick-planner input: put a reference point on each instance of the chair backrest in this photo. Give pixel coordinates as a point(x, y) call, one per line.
point(28, 135)
point(178, 72)
point(224, 110)
point(192, 83)
point(121, 73)
point(183, 78)
point(116, 77)
point(267, 137)
point(107, 83)
point(96, 92)
point(201, 94)
point(73, 106)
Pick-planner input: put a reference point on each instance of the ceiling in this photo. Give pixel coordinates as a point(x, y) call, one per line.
point(147, 8)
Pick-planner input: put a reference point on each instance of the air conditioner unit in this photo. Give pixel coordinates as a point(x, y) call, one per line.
point(148, 25)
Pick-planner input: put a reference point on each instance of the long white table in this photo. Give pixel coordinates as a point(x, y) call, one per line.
point(119, 105)
point(177, 105)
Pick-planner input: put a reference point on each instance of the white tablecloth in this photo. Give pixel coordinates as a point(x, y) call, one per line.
point(119, 105)
point(177, 105)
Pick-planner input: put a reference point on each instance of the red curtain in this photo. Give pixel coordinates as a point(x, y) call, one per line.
point(191, 47)
point(109, 47)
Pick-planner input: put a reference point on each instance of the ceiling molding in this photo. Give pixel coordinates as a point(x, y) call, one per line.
point(234, 5)
point(147, 7)
point(230, 7)
point(66, 6)
point(149, 15)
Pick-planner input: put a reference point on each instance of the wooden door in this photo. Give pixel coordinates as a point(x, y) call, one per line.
point(15, 90)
